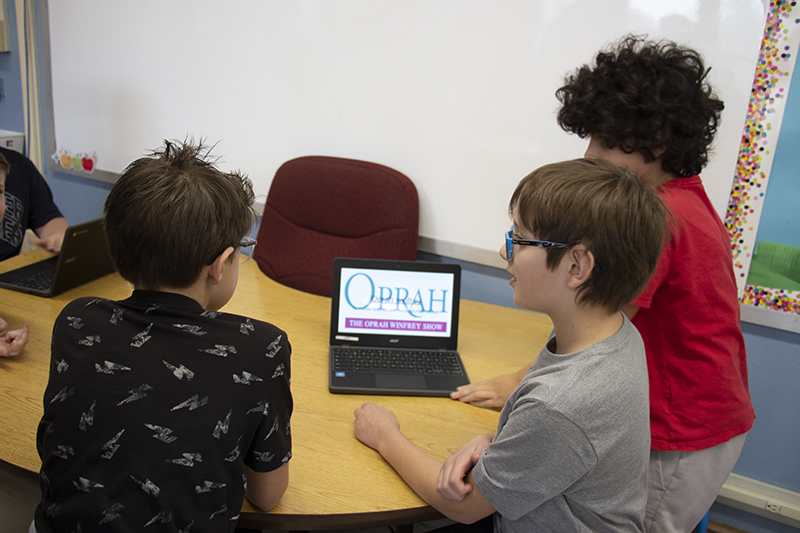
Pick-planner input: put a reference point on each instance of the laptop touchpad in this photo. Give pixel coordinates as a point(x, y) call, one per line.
point(394, 381)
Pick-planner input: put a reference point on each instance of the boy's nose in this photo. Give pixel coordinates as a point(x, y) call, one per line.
point(502, 252)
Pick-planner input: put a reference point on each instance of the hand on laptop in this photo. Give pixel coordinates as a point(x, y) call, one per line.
point(51, 244)
point(491, 392)
point(51, 235)
point(12, 342)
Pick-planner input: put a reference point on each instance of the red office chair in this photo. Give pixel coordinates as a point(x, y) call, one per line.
point(320, 208)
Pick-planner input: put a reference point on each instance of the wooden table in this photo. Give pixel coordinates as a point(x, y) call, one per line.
point(335, 481)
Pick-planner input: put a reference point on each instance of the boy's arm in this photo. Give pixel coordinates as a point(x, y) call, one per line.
point(490, 392)
point(264, 489)
point(454, 482)
point(378, 428)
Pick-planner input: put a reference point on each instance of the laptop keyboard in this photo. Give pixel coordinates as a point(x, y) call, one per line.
point(40, 282)
point(402, 361)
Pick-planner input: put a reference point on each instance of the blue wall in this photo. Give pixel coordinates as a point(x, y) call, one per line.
point(11, 111)
point(770, 452)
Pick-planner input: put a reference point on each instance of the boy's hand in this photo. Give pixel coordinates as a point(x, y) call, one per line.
point(373, 423)
point(51, 243)
point(51, 235)
point(491, 392)
point(14, 341)
point(451, 483)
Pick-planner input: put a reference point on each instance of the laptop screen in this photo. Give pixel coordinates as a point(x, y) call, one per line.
point(395, 303)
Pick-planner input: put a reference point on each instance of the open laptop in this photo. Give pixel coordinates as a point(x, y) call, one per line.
point(394, 328)
point(84, 257)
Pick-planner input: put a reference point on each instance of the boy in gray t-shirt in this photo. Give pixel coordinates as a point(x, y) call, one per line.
point(572, 444)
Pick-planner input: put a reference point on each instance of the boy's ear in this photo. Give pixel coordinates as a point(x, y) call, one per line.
point(581, 265)
point(216, 268)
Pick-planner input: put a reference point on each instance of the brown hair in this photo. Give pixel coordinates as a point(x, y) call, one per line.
point(592, 202)
point(645, 96)
point(173, 212)
point(5, 168)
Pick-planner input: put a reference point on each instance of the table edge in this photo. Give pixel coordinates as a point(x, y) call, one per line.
point(337, 521)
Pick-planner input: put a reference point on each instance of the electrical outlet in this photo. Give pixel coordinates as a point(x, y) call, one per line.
point(773, 507)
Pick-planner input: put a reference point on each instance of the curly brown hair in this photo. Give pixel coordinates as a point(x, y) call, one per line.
point(645, 96)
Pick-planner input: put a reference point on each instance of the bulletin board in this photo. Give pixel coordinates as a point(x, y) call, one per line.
point(456, 94)
point(763, 216)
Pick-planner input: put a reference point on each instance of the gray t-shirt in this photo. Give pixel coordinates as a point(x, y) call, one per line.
point(573, 442)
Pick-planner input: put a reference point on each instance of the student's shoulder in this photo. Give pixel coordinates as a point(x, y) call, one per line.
point(684, 194)
point(82, 312)
point(86, 302)
point(18, 162)
point(560, 375)
point(10, 155)
point(247, 324)
point(693, 216)
point(254, 332)
point(265, 345)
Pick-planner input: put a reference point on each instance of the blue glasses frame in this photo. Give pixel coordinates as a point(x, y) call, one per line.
point(511, 241)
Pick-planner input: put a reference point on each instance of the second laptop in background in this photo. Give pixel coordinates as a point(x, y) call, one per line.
point(84, 257)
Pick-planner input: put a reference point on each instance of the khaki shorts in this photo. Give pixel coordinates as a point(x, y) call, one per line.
point(683, 485)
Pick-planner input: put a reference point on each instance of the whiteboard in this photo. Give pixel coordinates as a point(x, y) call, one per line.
point(456, 94)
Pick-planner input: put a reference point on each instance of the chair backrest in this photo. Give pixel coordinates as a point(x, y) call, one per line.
point(320, 208)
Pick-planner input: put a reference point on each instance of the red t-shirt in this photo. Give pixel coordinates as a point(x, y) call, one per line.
point(689, 320)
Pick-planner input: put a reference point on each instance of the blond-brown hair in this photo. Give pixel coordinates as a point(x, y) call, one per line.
point(592, 202)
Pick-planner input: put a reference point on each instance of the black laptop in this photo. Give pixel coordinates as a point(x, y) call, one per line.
point(84, 257)
point(394, 328)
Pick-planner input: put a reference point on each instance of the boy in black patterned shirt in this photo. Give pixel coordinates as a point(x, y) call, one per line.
point(160, 410)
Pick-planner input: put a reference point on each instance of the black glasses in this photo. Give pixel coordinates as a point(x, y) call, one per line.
point(511, 241)
point(246, 247)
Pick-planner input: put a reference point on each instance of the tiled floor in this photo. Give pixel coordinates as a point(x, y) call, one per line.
point(19, 495)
